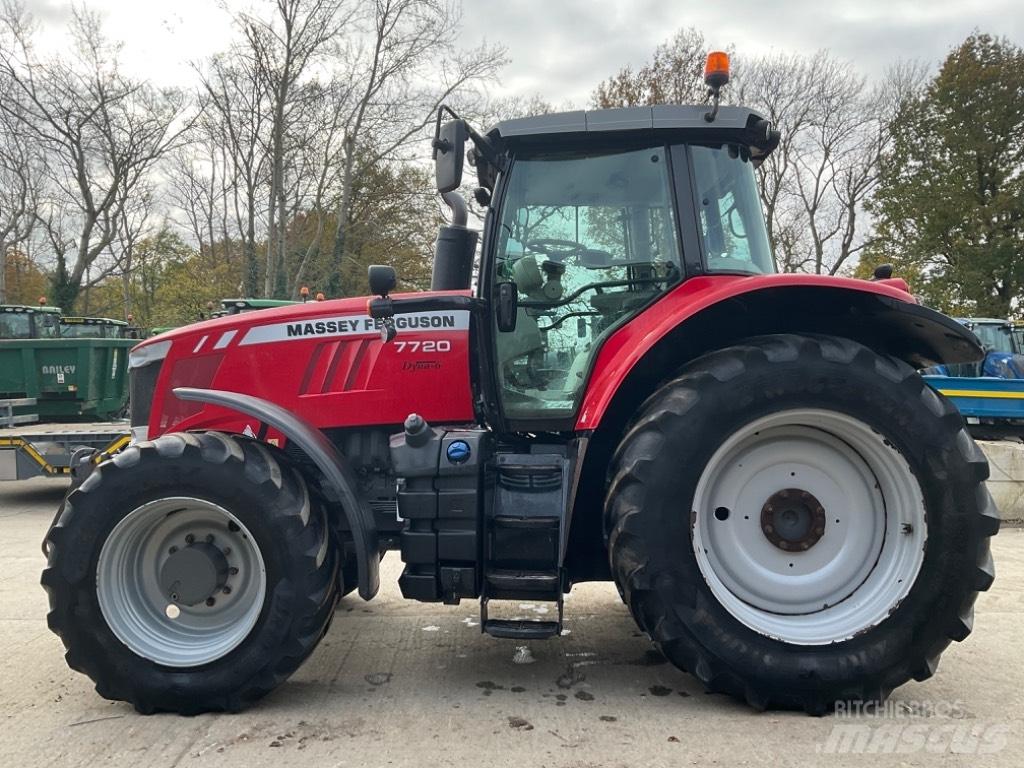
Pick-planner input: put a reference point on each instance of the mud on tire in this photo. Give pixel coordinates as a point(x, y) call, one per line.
point(256, 486)
point(655, 474)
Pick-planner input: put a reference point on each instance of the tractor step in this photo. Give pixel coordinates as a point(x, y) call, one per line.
point(539, 585)
point(524, 532)
point(531, 523)
point(518, 629)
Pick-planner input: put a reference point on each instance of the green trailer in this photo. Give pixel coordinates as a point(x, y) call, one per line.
point(61, 369)
point(69, 379)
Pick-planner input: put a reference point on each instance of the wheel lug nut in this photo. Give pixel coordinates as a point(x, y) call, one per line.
point(172, 550)
point(227, 590)
point(210, 601)
point(209, 538)
point(227, 551)
point(190, 539)
point(232, 570)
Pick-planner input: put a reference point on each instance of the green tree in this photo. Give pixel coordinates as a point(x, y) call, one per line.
point(950, 202)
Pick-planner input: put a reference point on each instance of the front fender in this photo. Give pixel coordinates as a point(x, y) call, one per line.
point(332, 464)
point(710, 312)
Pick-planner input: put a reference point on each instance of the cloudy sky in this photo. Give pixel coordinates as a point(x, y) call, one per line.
point(562, 48)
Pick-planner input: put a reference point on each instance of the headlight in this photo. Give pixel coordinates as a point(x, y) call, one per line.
point(144, 354)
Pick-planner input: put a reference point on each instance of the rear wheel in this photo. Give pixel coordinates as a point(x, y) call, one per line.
point(799, 521)
point(191, 573)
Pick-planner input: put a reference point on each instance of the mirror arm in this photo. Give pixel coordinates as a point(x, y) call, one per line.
point(488, 150)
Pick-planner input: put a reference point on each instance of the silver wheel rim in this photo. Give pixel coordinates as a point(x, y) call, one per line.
point(156, 625)
point(809, 526)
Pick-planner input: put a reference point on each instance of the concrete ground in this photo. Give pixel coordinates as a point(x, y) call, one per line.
point(401, 683)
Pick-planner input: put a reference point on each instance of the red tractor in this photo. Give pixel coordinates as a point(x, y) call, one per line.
point(623, 390)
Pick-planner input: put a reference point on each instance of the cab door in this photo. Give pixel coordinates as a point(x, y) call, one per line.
point(587, 239)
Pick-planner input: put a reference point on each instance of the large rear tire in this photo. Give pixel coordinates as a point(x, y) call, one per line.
point(191, 573)
point(799, 521)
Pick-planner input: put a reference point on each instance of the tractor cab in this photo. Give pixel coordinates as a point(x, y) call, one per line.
point(995, 334)
point(29, 322)
point(592, 217)
point(1004, 350)
point(238, 306)
point(94, 328)
point(598, 214)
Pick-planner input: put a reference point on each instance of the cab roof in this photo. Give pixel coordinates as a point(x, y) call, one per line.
point(93, 321)
point(256, 303)
point(29, 308)
point(983, 321)
point(732, 124)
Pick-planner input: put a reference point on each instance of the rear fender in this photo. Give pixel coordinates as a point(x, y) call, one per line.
point(707, 313)
point(334, 468)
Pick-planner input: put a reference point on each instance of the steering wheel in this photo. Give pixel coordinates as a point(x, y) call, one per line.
point(556, 249)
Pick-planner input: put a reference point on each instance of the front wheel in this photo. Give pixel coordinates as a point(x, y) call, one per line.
point(799, 521)
point(190, 573)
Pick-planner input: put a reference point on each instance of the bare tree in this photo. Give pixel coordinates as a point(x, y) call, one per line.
point(321, 166)
point(834, 127)
point(102, 131)
point(285, 48)
point(779, 87)
point(236, 108)
point(197, 186)
point(21, 175)
point(672, 76)
point(410, 65)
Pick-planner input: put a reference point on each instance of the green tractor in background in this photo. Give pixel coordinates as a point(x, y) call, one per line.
point(94, 328)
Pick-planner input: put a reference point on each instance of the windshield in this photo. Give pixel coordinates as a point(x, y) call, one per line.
point(81, 331)
point(15, 325)
point(588, 240)
point(731, 221)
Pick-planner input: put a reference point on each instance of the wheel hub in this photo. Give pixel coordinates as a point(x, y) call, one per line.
point(788, 572)
point(793, 520)
point(181, 581)
point(194, 573)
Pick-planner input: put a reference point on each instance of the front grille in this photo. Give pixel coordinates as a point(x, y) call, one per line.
point(141, 387)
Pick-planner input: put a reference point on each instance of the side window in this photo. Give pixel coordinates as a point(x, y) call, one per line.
point(731, 222)
point(47, 325)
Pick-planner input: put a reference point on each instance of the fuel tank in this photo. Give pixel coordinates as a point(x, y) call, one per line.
point(324, 361)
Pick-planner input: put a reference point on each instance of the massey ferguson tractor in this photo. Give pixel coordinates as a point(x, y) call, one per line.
point(609, 382)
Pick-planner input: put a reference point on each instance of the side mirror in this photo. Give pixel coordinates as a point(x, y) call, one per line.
point(382, 279)
point(507, 307)
point(449, 154)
